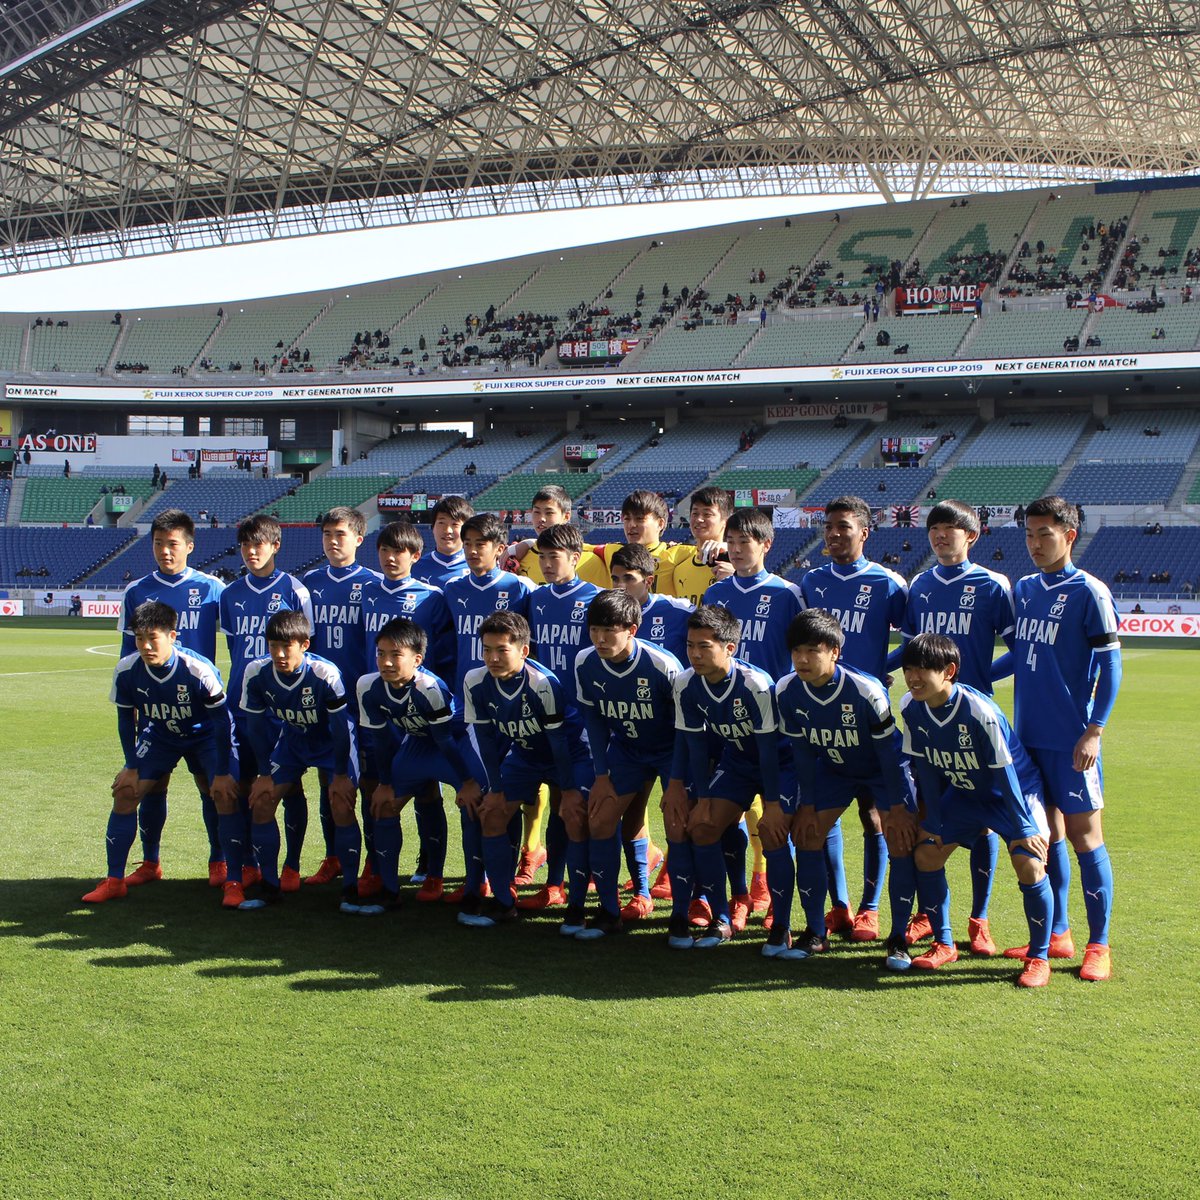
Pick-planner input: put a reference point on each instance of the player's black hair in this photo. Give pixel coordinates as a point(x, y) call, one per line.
point(713, 497)
point(954, 513)
point(405, 633)
point(288, 625)
point(152, 615)
point(457, 508)
point(851, 504)
point(634, 558)
point(752, 523)
point(1060, 511)
point(561, 537)
point(644, 503)
point(262, 529)
point(488, 526)
point(614, 609)
point(400, 535)
point(172, 520)
point(508, 624)
point(553, 494)
point(718, 619)
point(930, 652)
point(815, 627)
point(341, 513)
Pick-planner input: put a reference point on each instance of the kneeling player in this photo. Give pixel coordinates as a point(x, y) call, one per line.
point(626, 693)
point(306, 696)
point(845, 747)
point(973, 774)
point(181, 701)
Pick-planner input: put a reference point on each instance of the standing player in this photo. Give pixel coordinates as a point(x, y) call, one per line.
point(708, 562)
point(626, 694)
point(551, 505)
point(974, 607)
point(446, 561)
point(1067, 667)
point(196, 598)
point(974, 774)
point(869, 601)
point(180, 704)
point(246, 606)
point(337, 591)
point(645, 515)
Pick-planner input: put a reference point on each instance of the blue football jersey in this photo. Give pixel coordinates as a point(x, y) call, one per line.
point(868, 600)
point(764, 605)
point(731, 712)
point(664, 624)
point(470, 598)
point(1066, 623)
point(196, 597)
point(247, 605)
point(438, 569)
point(410, 710)
point(421, 603)
point(305, 704)
point(971, 605)
point(337, 603)
point(176, 699)
point(558, 621)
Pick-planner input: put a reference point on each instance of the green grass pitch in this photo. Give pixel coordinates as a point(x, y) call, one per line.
point(160, 1046)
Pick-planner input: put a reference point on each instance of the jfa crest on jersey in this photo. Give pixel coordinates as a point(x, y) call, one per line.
point(175, 698)
point(664, 624)
point(412, 708)
point(558, 620)
point(337, 602)
point(247, 605)
point(419, 602)
point(193, 595)
point(520, 710)
point(471, 598)
point(635, 699)
point(764, 606)
point(304, 703)
point(732, 711)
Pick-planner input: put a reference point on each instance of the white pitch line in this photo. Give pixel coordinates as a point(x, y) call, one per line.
point(64, 671)
point(107, 651)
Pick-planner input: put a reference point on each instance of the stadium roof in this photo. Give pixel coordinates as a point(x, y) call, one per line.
point(142, 126)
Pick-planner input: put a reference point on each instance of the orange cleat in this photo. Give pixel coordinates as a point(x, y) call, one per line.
point(654, 860)
point(218, 872)
point(327, 872)
point(839, 920)
point(252, 875)
point(918, 929)
point(112, 888)
point(661, 890)
point(432, 889)
point(1062, 945)
point(866, 926)
point(1097, 963)
point(760, 894)
point(369, 884)
point(234, 896)
point(938, 955)
point(546, 896)
point(700, 914)
point(146, 872)
point(739, 911)
point(532, 861)
point(1035, 974)
point(289, 880)
point(981, 941)
point(637, 908)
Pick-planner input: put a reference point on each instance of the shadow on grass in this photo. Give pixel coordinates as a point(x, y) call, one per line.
point(306, 940)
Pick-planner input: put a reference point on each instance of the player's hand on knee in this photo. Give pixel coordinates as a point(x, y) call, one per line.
point(469, 797)
point(805, 826)
point(1033, 847)
point(125, 788)
point(675, 804)
point(900, 829)
point(224, 792)
point(774, 825)
point(383, 802)
point(342, 792)
point(262, 791)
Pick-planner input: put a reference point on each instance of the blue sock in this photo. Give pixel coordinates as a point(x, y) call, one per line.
point(347, 845)
point(432, 832)
point(472, 840)
point(637, 859)
point(122, 829)
point(249, 858)
point(577, 874)
point(231, 828)
point(327, 825)
point(604, 858)
point(368, 835)
point(681, 868)
point(295, 826)
point(516, 835)
point(1039, 909)
point(497, 858)
point(208, 810)
point(1095, 873)
point(781, 881)
point(556, 850)
point(835, 867)
point(874, 868)
point(902, 891)
point(151, 817)
point(811, 882)
point(734, 842)
point(710, 874)
point(266, 844)
point(388, 841)
point(934, 892)
point(984, 853)
point(1058, 868)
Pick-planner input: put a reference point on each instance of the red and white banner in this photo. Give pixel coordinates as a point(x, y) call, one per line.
point(931, 298)
point(60, 443)
point(110, 609)
point(12, 608)
point(1177, 625)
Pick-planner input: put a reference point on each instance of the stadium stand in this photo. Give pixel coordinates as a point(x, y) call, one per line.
point(1122, 483)
point(5, 496)
point(81, 345)
point(1017, 334)
point(806, 341)
point(1126, 331)
point(11, 337)
point(967, 238)
point(680, 348)
point(1133, 552)
point(781, 252)
point(575, 279)
point(737, 477)
point(66, 556)
point(55, 499)
point(996, 485)
point(1147, 435)
point(439, 483)
point(1167, 234)
point(867, 243)
point(319, 496)
point(331, 339)
point(625, 438)
point(682, 447)
point(137, 559)
point(799, 444)
point(901, 485)
point(496, 452)
point(1024, 438)
point(517, 491)
point(1073, 252)
point(160, 344)
point(266, 331)
point(227, 500)
point(402, 455)
point(928, 338)
point(671, 485)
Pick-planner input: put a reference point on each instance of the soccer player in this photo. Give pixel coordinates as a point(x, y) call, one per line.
point(645, 515)
point(246, 605)
point(974, 607)
point(869, 601)
point(973, 774)
point(725, 711)
point(446, 562)
point(337, 591)
point(664, 618)
point(551, 505)
point(419, 743)
point(196, 598)
point(180, 713)
point(845, 744)
point(1067, 671)
point(299, 718)
point(708, 563)
point(526, 734)
point(626, 693)
point(401, 594)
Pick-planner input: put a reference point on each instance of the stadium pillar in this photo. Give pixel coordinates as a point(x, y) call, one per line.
point(670, 418)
